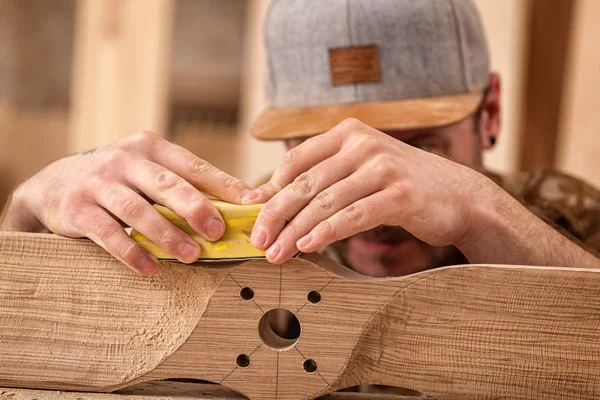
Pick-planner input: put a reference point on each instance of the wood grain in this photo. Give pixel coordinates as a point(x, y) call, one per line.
point(550, 23)
point(120, 70)
point(169, 390)
point(578, 142)
point(71, 318)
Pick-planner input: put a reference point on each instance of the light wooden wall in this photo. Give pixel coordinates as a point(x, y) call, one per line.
point(578, 146)
point(550, 22)
point(505, 22)
point(120, 70)
point(258, 158)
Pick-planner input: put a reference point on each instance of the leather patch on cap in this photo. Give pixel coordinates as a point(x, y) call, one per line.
point(354, 64)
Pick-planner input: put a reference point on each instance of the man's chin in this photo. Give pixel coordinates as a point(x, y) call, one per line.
point(372, 257)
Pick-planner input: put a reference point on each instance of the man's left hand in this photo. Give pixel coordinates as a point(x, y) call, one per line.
point(354, 178)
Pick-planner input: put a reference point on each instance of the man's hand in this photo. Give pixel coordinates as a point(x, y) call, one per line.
point(94, 193)
point(354, 178)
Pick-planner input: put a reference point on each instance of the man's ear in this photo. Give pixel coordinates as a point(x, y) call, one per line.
point(490, 119)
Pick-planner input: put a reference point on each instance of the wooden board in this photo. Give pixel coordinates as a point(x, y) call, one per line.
point(578, 144)
point(71, 317)
point(120, 70)
point(168, 390)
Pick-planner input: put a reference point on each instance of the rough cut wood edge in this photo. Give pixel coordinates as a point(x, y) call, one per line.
point(457, 332)
point(69, 312)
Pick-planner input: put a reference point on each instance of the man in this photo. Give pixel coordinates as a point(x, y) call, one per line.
point(407, 172)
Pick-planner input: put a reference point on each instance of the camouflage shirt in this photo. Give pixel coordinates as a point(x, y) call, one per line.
point(570, 205)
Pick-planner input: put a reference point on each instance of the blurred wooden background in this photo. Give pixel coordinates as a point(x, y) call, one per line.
point(76, 74)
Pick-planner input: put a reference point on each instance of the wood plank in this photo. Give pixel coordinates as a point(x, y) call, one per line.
point(71, 317)
point(120, 70)
point(579, 141)
point(550, 24)
point(258, 158)
point(146, 391)
point(171, 390)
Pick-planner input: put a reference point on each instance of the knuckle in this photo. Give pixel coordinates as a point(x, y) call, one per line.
point(272, 213)
point(131, 209)
point(350, 123)
point(198, 205)
point(324, 201)
point(364, 144)
point(113, 198)
point(198, 166)
point(354, 213)
point(401, 191)
point(198, 209)
point(129, 251)
point(384, 164)
point(370, 142)
point(304, 184)
point(227, 182)
point(75, 211)
point(166, 180)
point(327, 230)
point(269, 211)
point(114, 156)
point(292, 231)
point(144, 137)
point(112, 160)
point(168, 238)
point(94, 180)
point(292, 157)
point(105, 231)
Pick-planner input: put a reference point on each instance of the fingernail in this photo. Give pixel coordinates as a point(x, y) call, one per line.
point(259, 237)
point(273, 251)
point(250, 196)
point(188, 251)
point(304, 242)
point(149, 265)
point(214, 228)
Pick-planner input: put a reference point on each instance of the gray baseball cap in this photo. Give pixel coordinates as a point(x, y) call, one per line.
point(393, 64)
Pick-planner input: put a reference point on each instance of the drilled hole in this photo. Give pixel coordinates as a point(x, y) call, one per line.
point(247, 293)
point(314, 297)
point(242, 361)
point(279, 329)
point(310, 366)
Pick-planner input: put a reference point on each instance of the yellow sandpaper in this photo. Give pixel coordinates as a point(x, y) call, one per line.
point(235, 243)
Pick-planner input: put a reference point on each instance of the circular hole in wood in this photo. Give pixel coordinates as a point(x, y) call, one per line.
point(314, 297)
point(310, 366)
point(242, 361)
point(279, 329)
point(247, 293)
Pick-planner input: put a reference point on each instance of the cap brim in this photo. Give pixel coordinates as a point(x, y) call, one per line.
point(287, 123)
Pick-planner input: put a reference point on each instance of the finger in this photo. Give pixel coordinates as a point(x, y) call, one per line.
point(328, 202)
point(284, 206)
point(200, 173)
point(296, 161)
point(362, 215)
point(167, 188)
point(93, 222)
point(136, 212)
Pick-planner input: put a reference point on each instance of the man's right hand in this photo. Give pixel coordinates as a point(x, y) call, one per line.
point(94, 193)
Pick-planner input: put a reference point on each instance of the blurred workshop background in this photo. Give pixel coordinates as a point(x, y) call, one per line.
point(77, 74)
